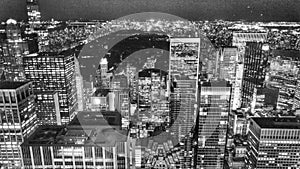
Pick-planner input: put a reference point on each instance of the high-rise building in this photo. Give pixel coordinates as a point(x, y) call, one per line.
point(183, 79)
point(212, 124)
point(47, 107)
point(33, 13)
point(231, 69)
point(255, 64)
point(183, 76)
point(12, 50)
point(91, 141)
point(152, 95)
point(273, 143)
point(54, 72)
point(17, 120)
point(239, 40)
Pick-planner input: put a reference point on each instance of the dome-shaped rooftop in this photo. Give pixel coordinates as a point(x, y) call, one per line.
point(11, 21)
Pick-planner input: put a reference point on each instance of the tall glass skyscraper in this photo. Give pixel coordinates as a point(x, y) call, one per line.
point(212, 124)
point(183, 77)
point(255, 64)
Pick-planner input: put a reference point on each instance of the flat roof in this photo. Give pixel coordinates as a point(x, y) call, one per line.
point(11, 85)
point(101, 92)
point(216, 83)
point(97, 118)
point(278, 122)
point(48, 92)
point(88, 128)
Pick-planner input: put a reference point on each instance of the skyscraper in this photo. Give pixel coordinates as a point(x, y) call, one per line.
point(273, 143)
point(232, 71)
point(239, 40)
point(255, 64)
point(212, 124)
point(12, 50)
point(54, 72)
point(183, 76)
point(47, 107)
point(33, 13)
point(152, 90)
point(17, 120)
point(183, 79)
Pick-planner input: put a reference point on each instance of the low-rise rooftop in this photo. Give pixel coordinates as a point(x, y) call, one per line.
point(85, 129)
point(11, 85)
point(278, 122)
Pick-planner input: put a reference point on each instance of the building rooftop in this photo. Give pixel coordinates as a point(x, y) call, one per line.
point(101, 92)
point(250, 36)
point(217, 83)
point(87, 129)
point(45, 92)
point(147, 72)
point(96, 118)
point(11, 85)
point(278, 122)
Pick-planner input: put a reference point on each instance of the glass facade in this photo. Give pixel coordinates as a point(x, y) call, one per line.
point(212, 125)
point(255, 64)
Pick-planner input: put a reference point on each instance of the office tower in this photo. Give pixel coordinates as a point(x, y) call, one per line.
point(33, 13)
point(152, 96)
point(47, 107)
point(120, 88)
point(183, 79)
point(103, 77)
point(183, 76)
point(255, 64)
point(132, 82)
point(17, 120)
point(54, 72)
point(12, 50)
point(227, 63)
point(90, 142)
point(283, 74)
point(231, 69)
point(239, 40)
point(87, 93)
point(212, 124)
point(273, 143)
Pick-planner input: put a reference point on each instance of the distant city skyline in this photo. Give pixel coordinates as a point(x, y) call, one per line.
point(263, 10)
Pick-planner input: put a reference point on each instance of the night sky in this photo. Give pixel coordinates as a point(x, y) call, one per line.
point(250, 10)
